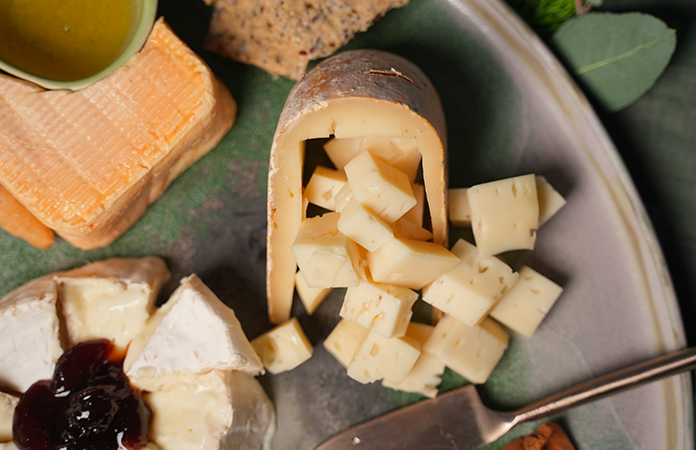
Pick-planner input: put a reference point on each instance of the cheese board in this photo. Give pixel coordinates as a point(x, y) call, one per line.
point(510, 109)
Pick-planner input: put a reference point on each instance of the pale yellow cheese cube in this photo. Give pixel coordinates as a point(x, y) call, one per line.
point(526, 304)
point(311, 297)
point(323, 186)
point(458, 207)
point(380, 187)
point(425, 376)
point(8, 403)
point(405, 229)
point(342, 197)
point(504, 214)
point(344, 341)
point(472, 352)
point(416, 213)
point(363, 226)
point(469, 290)
point(409, 263)
point(401, 153)
point(384, 308)
point(325, 255)
point(284, 347)
point(381, 358)
point(550, 201)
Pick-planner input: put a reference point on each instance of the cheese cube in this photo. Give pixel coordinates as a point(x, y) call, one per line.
point(384, 308)
point(342, 197)
point(458, 207)
point(110, 299)
point(381, 358)
point(193, 332)
point(29, 342)
point(550, 201)
point(424, 377)
point(409, 263)
point(363, 226)
point(325, 255)
point(323, 186)
point(380, 187)
point(217, 410)
point(401, 153)
point(472, 352)
point(504, 214)
point(284, 347)
point(416, 213)
point(311, 297)
point(8, 403)
point(405, 229)
point(344, 341)
point(469, 290)
point(526, 304)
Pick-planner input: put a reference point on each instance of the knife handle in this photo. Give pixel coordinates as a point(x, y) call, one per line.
point(611, 383)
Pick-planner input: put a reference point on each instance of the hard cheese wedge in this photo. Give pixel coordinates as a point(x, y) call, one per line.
point(88, 163)
point(110, 299)
point(192, 333)
point(354, 94)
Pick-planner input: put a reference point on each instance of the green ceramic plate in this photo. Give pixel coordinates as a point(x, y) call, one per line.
point(511, 109)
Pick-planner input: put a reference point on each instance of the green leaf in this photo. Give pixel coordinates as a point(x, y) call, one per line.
point(617, 57)
point(545, 16)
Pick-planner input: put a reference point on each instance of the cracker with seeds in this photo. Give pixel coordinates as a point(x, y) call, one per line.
point(282, 36)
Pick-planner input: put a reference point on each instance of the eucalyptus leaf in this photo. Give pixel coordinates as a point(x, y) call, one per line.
point(617, 57)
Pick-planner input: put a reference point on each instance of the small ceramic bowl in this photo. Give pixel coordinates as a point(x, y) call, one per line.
point(147, 10)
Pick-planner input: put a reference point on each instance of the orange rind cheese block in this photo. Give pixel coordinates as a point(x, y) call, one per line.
point(87, 164)
point(362, 93)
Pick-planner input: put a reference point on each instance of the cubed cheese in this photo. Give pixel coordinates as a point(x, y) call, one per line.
point(425, 376)
point(550, 201)
point(311, 297)
point(363, 226)
point(504, 214)
point(344, 341)
point(381, 358)
point(471, 288)
point(380, 187)
point(284, 347)
point(7, 406)
point(323, 185)
point(325, 255)
point(458, 207)
point(416, 213)
point(526, 304)
point(193, 332)
point(401, 153)
point(217, 410)
point(409, 263)
point(110, 299)
point(384, 308)
point(405, 229)
point(29, 343)
point(343, 196)
point(472, 352)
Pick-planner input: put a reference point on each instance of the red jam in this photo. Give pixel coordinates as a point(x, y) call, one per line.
point(88, 405)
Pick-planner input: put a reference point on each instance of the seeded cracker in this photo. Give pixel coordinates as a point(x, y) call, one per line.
point(282, 36)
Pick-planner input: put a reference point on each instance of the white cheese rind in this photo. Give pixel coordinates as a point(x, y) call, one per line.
point(471, 288)
point(504, 214)
point(8, 403)
point(344, 341)
point(110, 299)
point(380, 358)
point(363, 226)
point(472, 352)
point(192, 333)
point(524, 306)
point(217, 410)
point(550, 200)
point(284, 347)
point(29, 338)
point(323, 186)
point(384, 308)
point(311, 297)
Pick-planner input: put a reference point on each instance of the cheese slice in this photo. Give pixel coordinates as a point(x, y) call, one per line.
point(88, 163)
point(216, 410)
point(29, 340)
point(344, 341)
point(379, 358)
point(402, 154)
point(8, 403)
point(363, 93)
point(110, 299)
point(192, 333)
point(284, 347)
